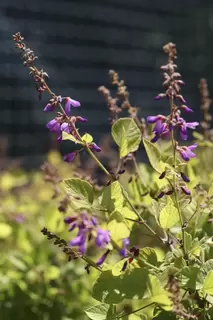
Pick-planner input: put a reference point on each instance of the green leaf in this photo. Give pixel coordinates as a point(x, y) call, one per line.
point(81, 191)
point(87, 138)
point(118, 227)
point(5, 230)
point(112, 198)
point(18, 263)
point(148, 255)
point(126, 135)
point(98, 312)
point(169, 216)
point(154, 156)
point(191, 278)
point(67, 136)
point(208, 266)
point(52, 273)
point(114, 289)
point(157, 294)
point(208, 283)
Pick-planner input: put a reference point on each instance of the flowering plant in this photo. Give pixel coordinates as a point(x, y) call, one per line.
point(149, 227)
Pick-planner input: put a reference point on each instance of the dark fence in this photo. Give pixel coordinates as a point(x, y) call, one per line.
point(78, 41)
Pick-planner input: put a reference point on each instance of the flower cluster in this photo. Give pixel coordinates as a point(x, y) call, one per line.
point(164, 125)
point(88, 229)
point(62, 122)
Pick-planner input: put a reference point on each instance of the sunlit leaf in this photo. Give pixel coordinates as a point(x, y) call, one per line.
point(169, 217)
point(126, 135)
point(81, 191)
point(154, 156)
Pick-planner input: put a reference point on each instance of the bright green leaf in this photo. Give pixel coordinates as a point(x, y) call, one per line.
point(112, 198)
point(87, 138)
point(154, 156)
point(126, 135)
point(5, 230)
point(52, 273)
point(169, 217)
point(118, 227)
point(208, 283)
point(98, 312)
point(67, 136)
point(81, 191)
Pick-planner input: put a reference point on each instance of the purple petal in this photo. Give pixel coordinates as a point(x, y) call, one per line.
point(65, 127)
point(48, 108)
point(81, 119)
point(162, 175)
point(156, 138)
point(190, 153)
point(161, 194)
point(192, 125)
point(152, 119)
point(94, 221)
point(70, 219)
point(72, 227)
point(70, 102)
point(184, 177)
point(124, 266)
point(69, 157)
point(78, 241)
point(125, 242)
point(54, 126)
point(95, 147)
point(59, 139)
point(82, 248)
point(102, 238)
point(187, 109)
point(183, 136)
point(186, 191)
point(123, 252)
point(192, 147)
point(102, 258)
point(184, 155)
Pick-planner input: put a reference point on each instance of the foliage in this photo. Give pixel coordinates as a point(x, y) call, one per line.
point(145, 235)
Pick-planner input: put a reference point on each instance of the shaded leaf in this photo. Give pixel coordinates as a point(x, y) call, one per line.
point(154, 156)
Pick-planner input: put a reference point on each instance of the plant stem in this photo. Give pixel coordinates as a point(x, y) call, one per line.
point(174, 176)
point(135, 311)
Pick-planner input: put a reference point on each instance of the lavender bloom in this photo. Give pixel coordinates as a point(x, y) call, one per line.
point(186, 191)
point(160, 96)
point(183, 127)
point(65, 127)
point(184, 177)
point(69, 157)
point(70, 102)
point(87, 230)
point(95, 147)
point(186, 152)
point(102, 258)
point(187, 109)
point(54, 126)
point(123, 250)
point(154, 119)
point(81, 119)
point(102, 238)
point(49, 108)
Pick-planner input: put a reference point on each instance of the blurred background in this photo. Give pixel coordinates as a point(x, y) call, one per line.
point(78, 41)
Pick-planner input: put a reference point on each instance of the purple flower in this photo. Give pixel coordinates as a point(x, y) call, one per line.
point(184, 177)
point(49, 107)
point(123, 250)
point(184, 125)
point(160, 96)
point(102, 258)
point(81, 119)
point(186, 191)
point(54, 126)
point(70, 102)
point(69, 157)
point(186, 152)
point(87, 228)
point(65, 127)
point(153, 119)
point(187, 109)
point(102, 238)
point(95, 147)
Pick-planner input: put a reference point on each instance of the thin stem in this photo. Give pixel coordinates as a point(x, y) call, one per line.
point(135, 311)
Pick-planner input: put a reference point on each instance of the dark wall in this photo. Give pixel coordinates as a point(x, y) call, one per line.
point(78, 41)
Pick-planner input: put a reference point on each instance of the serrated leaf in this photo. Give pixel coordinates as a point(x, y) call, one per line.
point(81, 191)
point(126, 135)
point(169, 216)
point(208, 283)
point(87, 138)
point(98, 312)
point(154, 156)
point(191, 278)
